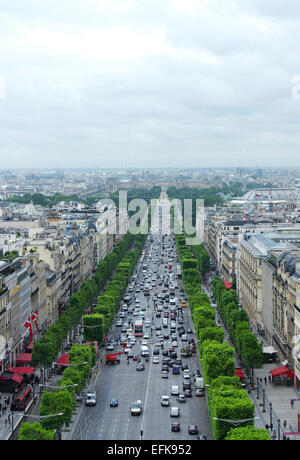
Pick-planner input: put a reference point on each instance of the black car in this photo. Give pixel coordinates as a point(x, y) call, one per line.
point(187, 393)
point(156, 351)
point(193, 429)
point(175, 427)
point(165, 353)
point(113, 402)
point(140, 367)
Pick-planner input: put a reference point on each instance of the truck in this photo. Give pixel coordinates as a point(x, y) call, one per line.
point(178, 270)
point(113, 358)
point(186, 352)
point(199, 383)
point(136, 407)
point(200, 388)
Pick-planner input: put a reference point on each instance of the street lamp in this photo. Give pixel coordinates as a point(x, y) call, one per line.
point(235, 422)
point(59, 387)
point(72, 365)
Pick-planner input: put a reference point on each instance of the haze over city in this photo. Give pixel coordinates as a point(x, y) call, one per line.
point(131, 83)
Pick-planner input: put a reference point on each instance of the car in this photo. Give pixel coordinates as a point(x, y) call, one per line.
point(201, 437)
point(199, 392)
point(109, 346)
point(193, 429)
point(114, 402)
point(181, 398)
point(164, 375)
point(135, 357)
point(156, 351)
point(187, 393)
point(175, 427)
point(140, 367)
point(155, 360)
point(165, 400)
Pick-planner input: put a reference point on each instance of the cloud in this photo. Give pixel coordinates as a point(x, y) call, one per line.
point(142, 81)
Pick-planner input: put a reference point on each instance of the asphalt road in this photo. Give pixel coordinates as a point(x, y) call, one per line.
point(122, 381)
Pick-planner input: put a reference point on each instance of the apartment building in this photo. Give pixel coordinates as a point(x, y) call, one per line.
point(22, 292)
point(254, 248)
point(281, 305)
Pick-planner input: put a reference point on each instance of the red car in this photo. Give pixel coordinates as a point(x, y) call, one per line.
point(135, 357)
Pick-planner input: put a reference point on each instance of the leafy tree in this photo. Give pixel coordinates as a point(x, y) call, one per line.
point(248, 433)
point(35, 432)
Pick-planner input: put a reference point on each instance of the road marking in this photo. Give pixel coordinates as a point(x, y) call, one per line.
point(114, 429)
point(101, 429)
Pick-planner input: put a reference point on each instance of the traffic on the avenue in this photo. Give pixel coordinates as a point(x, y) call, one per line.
point(149, 386)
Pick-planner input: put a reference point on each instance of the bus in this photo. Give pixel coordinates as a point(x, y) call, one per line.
point(138, 328)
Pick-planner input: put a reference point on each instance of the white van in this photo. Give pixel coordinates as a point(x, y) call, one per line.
point(174, 390)
point(174, 412)
point(172, 302)
point(144, 351)
point(165, 322)
point(147, 323)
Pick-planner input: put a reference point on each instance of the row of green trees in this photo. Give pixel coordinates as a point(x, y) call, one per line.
point(82, 358)
point(47, 348)
point(226, 398)
point(97, 324)
point(237, 322)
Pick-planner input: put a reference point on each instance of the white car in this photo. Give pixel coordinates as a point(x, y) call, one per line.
point(165, 400)
point(155, 360)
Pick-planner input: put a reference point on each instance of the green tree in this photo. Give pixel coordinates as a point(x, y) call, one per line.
point(35, 432)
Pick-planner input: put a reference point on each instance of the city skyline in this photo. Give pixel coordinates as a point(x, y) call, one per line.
point(136, 84)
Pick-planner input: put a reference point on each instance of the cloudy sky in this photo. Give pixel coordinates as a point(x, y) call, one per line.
point(149, 83)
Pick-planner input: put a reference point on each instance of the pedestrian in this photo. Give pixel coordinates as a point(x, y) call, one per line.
point(292, 404)
point(266, 380)
point(5, 423)
point(284, 424)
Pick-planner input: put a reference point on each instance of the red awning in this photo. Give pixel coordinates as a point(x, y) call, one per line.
point(239, 373)
point(282, 371)
point(21, 370)
point(17, 378)
point(63, 359)
point(24, 358)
